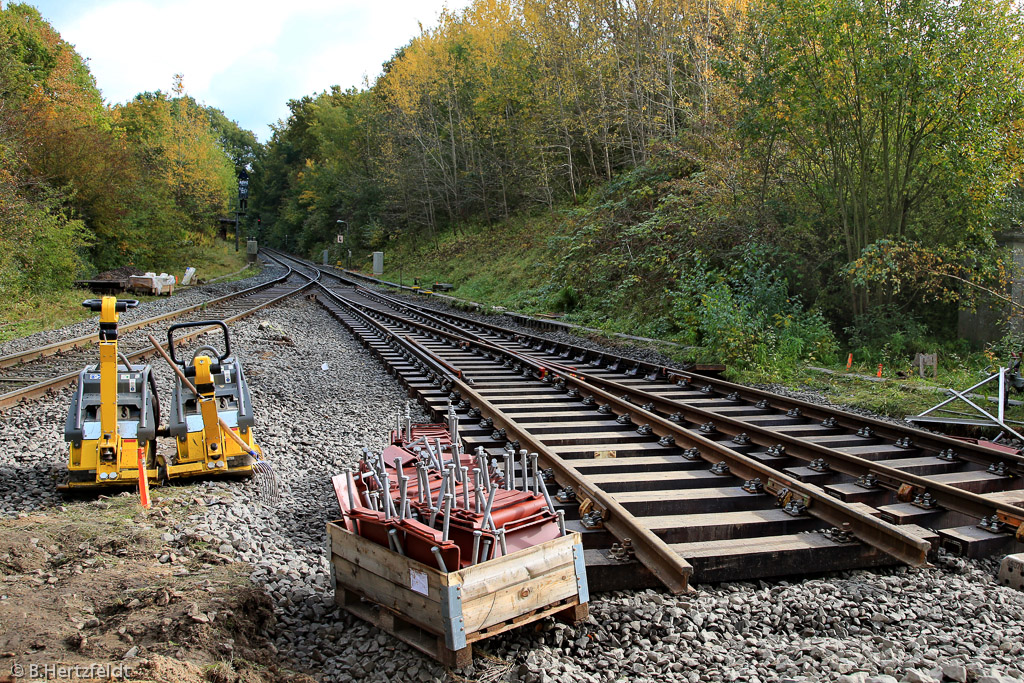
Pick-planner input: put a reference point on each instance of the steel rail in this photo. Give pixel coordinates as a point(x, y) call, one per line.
point(949, 497)
point(21, 357)
point(871, 530)
point(41, 388)
point(667, 565)
point(844, 419)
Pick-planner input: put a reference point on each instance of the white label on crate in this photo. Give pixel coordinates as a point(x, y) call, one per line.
point(418, 581)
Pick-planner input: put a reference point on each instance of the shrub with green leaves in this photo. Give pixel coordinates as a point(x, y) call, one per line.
point(745, 316)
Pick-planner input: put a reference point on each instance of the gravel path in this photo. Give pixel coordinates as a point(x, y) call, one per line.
point(880, 626)
point(146, 309)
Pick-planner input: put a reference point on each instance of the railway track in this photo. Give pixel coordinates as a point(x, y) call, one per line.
point(706, 478)
point(669, 474)
point(34, 372)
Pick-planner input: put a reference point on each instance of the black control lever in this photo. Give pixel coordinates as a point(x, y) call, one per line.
point(121, 306)
point(198, 323)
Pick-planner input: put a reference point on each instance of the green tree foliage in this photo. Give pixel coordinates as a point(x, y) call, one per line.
point(678, 133)
point(240, 145)
point(510, 105)
point(889, 119)
point(86, 186)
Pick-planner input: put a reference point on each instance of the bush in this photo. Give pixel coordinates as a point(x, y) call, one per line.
point(746, 317)
point(40, 245)
point(888, 335)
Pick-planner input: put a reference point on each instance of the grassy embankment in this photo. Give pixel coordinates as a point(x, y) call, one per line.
point(33, 313)
point(511, 266)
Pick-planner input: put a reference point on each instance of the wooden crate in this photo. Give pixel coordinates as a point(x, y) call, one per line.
point(443, 614)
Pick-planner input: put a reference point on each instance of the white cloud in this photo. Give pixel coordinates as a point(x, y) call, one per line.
point(247, 59)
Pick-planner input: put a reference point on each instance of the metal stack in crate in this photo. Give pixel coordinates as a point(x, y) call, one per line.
point(442, 548)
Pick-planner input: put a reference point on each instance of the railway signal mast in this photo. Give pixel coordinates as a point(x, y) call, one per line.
point(243, 200)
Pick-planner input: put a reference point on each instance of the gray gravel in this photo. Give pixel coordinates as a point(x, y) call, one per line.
point(857, 627)
point(182, 298)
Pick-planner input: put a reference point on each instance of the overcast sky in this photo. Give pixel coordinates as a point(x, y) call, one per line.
point(247, 59)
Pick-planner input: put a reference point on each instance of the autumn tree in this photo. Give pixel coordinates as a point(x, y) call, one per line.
point(892, 118)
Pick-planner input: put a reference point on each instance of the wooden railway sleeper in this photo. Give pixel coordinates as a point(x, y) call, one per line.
point(763, 400)
point(652, 551)
point(875, 532)
point(866, 470)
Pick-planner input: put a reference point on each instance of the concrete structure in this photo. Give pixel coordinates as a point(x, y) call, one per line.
point(983, 325)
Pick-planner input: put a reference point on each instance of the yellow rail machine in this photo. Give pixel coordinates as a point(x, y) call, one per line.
point(113, 413)
point(221, 392)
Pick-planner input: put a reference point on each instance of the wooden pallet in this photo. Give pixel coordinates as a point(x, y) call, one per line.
point(443, 613)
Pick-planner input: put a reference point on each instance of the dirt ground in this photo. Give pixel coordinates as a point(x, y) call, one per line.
point(92, 591)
